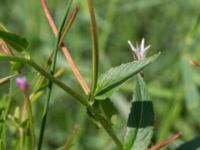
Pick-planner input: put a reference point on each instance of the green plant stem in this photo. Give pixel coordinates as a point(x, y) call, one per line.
point(67, 89)
point(21, 140)
point(50, 84)
point(68, 25)
point(46, 105)
point(30, 117)
point(107, 127)
point(95, 51)
point(3, 129)
point(47, 75)
point(44, 116)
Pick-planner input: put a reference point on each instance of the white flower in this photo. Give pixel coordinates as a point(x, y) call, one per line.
point(139, 51)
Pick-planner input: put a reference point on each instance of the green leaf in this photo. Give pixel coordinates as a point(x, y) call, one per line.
point(140, 121)
point(15, 41)
point(193, 144)
point(115, 77)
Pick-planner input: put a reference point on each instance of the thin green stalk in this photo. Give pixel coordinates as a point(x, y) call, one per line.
point(41, 78)
point(60, 31)
point(47, 75)
point(95, 61)
point(46, 105)
point(30, 117)
point(107, 127)
point(59, 83)
point(63, 86)
point(68, 25)
point(50, 84)
point(3, 130)
point(44, 116)
point(95, 51)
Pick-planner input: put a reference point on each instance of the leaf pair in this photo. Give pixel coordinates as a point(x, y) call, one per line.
point(141, 117)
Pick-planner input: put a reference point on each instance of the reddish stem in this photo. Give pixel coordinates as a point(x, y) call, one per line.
point(194, 63)
point(165, 142)
point(65, 49)
point(69, 23)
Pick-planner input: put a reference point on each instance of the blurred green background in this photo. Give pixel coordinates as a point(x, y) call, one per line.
point(169, 26)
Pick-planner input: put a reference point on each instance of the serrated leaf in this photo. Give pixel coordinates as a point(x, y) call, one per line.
point(115, 77)
point(15, 41)
point(140, 120)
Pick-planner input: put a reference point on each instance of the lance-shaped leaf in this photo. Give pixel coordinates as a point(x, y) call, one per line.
point(15, 41)
point(115, 77)
point(140, 121)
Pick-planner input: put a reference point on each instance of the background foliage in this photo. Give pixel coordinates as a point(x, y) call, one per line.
point(170, 26)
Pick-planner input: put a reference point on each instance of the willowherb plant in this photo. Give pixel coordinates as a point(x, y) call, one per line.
point(140, 122)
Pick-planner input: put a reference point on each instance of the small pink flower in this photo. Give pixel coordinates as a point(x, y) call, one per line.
point(22, 83)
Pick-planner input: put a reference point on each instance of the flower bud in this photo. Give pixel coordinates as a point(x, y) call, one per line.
point(22, 83)
point(139, 51)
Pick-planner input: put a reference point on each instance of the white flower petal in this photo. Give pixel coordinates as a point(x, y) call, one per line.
point(142, 45)
point(139, 51)
point(146, 48)
point(132, 47)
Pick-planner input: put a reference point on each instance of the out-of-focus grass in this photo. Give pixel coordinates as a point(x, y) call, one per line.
point(165, 24)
